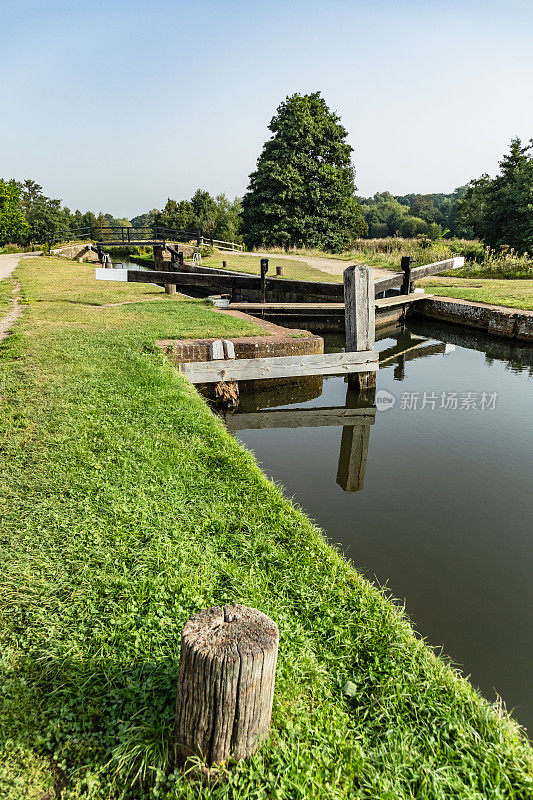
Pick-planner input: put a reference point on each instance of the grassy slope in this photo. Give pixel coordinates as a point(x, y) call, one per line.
point(510, 293)
point(126, 506)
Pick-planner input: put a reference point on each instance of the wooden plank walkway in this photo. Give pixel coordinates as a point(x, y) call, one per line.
point(244, 369)
point(381, 303)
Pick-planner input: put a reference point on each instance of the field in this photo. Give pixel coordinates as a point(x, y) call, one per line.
point(126, 506)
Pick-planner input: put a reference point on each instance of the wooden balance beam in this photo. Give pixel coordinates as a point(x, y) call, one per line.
point(249, 369)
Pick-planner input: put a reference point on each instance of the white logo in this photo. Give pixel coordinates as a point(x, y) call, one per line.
point(384, 400)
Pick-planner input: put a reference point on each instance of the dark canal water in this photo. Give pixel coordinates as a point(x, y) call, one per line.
point(433, 500)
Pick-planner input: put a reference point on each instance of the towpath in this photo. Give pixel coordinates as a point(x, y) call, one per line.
point(8, 262)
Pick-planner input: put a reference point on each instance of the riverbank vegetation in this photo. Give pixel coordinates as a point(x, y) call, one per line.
point(126, 506)
point(480, 261)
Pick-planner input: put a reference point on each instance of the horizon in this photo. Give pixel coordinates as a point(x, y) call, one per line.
point(111, 118)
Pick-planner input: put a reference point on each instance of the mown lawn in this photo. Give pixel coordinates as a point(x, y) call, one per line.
point(503, 292)
point(125, 507)
point(298, 270)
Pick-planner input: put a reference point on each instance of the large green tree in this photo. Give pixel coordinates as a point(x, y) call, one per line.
point(302, 191)
point(500, 210)
point(13, 226)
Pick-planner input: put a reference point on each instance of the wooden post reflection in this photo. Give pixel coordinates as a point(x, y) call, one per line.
point(352, 459)
point(355, 442)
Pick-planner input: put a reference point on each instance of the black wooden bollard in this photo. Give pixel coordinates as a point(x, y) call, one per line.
point(264, 270)
point(407, 285)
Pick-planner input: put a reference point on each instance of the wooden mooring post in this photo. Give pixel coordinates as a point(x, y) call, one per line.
point(360, 318)
point(225, 683)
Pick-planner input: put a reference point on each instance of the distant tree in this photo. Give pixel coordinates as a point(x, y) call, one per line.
point(384, 214)
point(500, 210)
point(205, 211)
point(423, 207)
point(144, 220)
point(88, 220)
point(13, 226)
point(435, 231)
point(30, 193)
point(176, 215)
point(219, 217)
point(228, 221)
point(117, 222)
point(48, 219)
point(411, 226)
point(100, 226)
point(302, 190)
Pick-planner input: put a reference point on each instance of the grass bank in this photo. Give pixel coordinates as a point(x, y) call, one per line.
point(126, 506)
point(509, 293)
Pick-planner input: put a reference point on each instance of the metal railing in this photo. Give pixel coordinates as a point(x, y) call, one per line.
point(124, 234)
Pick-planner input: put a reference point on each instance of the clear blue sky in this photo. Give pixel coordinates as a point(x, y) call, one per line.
point(117, 105)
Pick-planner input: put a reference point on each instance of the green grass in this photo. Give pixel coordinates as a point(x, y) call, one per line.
point(6, 294)
point(126, 506)
point(504, 292)
point(297, 270)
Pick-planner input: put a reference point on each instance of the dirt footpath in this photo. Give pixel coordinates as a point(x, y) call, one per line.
point(8, 263)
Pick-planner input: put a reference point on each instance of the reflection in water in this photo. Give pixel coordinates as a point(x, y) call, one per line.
point(433, 503)
point(359, 409)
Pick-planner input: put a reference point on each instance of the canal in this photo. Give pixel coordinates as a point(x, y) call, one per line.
point(432, 498)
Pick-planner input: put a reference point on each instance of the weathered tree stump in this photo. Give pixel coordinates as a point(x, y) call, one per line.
point(226, 683)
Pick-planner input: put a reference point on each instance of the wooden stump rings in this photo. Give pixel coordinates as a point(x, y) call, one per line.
point(226, 683)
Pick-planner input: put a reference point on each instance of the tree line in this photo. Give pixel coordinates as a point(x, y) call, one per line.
point(302, 193)
point(28, 216)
